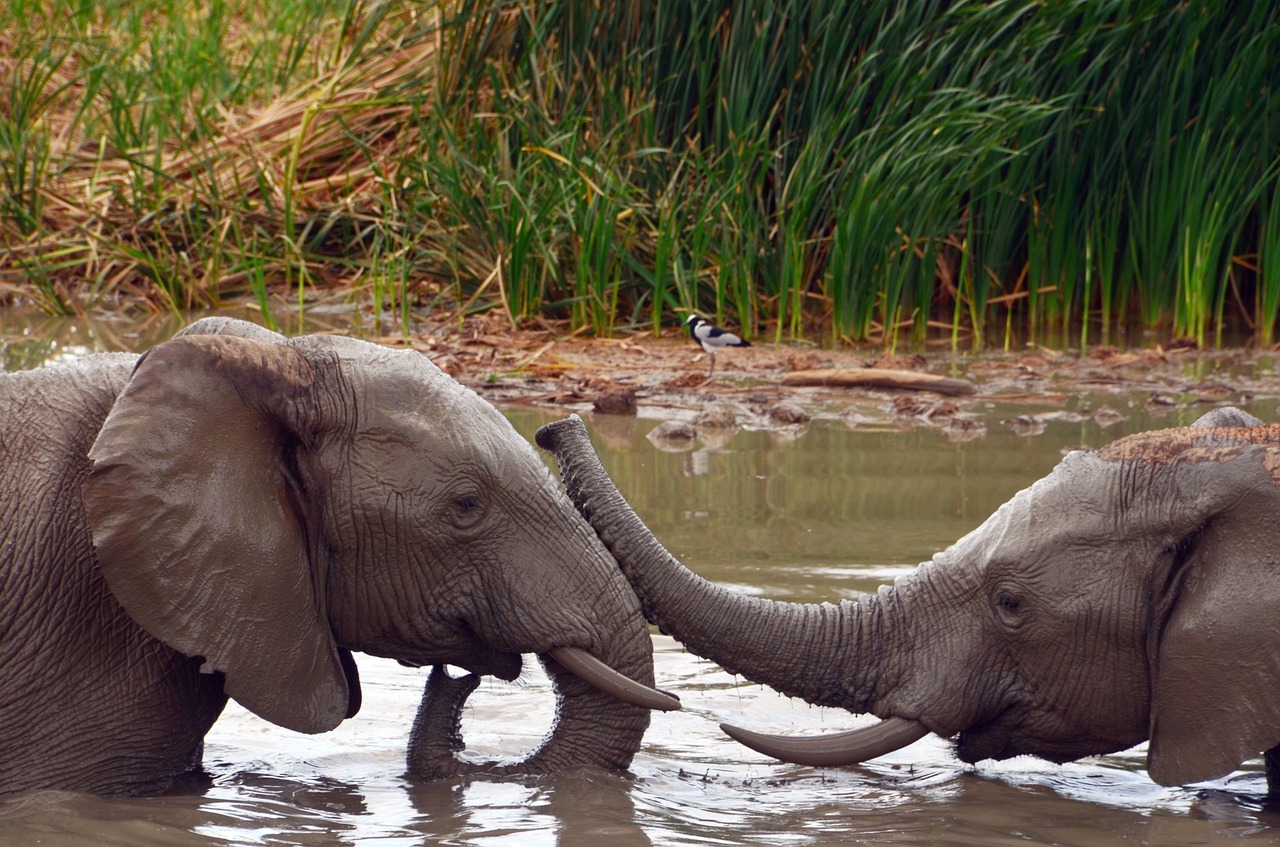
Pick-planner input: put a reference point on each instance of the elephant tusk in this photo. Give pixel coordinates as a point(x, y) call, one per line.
point(595, 672)
point(841, 748)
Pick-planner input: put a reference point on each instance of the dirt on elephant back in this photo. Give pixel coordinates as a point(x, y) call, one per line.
point(772, 385)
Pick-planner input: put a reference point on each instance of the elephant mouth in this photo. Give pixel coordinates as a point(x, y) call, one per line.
point(505, 666)
point(1001, 736)
point(573, 660)
point(464, 650)
point(1004, 737)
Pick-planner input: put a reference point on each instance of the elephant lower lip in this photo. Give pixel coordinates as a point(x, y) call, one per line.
point(506, 666)
point(974, 746)
point(998, 741)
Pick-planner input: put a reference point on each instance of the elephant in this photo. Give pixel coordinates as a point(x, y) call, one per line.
point(1130, 595)
point(234, 512)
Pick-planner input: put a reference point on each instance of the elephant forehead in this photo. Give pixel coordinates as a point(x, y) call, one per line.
point(373, 362)
point(1034, 518)
point(400, 385)
point(401, 396)
point(474, 433)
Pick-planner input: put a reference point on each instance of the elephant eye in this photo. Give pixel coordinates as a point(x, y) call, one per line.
point(1008, 607)
point(465, 511)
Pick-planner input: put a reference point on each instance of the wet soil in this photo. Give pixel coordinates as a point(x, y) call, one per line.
point(964, 394)
point(780, 385)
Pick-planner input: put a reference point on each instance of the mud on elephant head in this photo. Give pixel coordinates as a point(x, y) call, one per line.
point(1129, 595)
point(234, 512)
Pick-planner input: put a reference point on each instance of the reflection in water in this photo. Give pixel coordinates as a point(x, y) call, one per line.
point(829, 514)
point(29, 339)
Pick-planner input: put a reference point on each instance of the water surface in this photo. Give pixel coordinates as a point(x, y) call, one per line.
point(815, 514)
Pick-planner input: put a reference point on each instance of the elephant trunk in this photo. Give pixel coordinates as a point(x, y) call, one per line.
point(788, 646)
point(813, 651)
point(593, 726)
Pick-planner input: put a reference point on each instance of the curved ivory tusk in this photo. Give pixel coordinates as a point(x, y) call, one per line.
point(829, 751)
point(597, 673)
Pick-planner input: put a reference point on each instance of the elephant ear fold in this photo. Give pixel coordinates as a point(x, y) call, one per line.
point(199, 528)
point(1216, 660)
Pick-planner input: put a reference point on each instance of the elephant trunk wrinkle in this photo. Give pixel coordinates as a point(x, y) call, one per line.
point(789, 646)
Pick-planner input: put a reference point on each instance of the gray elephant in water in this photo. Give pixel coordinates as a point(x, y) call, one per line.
point(1131, 594)
point(234, 512)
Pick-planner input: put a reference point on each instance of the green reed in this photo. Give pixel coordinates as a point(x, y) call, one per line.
point(865, 171)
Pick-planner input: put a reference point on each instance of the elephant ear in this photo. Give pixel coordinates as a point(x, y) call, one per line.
point(199, 528)
point(1216, 660)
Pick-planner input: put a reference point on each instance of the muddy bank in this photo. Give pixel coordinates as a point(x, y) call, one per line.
point(781, 386)
point(766, 386)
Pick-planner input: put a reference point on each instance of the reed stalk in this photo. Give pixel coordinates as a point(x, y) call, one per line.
point(860, 171)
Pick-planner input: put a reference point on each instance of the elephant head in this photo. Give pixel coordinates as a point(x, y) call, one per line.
point(1128, 595)
point(271, 504)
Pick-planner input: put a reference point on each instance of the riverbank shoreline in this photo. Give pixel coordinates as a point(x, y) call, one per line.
point(767, 386)
point(786, 385)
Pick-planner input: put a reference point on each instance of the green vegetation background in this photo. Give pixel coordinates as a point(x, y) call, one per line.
point(868, 170)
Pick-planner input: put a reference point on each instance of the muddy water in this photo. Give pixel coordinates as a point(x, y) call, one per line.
point(822, 513)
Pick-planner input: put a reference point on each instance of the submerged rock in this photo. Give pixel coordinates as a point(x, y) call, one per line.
point(717, 417)
point(621, 402)
point(789, 414)
point(673, 436)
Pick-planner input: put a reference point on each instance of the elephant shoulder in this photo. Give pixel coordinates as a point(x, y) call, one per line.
point(62, 405)
point(49, 418)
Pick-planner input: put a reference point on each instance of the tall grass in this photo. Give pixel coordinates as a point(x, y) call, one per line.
point(987, 171)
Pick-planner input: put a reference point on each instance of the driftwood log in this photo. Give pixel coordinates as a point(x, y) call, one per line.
point(880, 378)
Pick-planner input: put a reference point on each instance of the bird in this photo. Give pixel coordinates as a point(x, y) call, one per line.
point(711, 338)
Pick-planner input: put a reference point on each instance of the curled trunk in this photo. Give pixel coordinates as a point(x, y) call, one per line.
point(602, 712)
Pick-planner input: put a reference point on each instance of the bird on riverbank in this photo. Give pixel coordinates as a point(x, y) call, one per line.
point(711, 338)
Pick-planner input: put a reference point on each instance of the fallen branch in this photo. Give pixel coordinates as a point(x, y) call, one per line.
point(880, 378)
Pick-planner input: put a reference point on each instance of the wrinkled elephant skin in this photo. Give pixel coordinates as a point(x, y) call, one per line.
point(234, 512)
point(1129, 595)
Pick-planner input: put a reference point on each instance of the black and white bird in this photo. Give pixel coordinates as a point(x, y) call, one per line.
point(712, 338)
